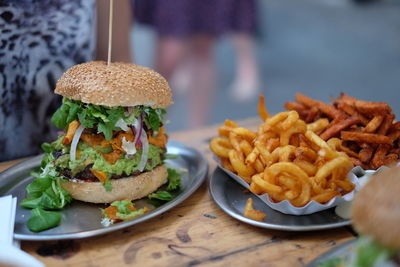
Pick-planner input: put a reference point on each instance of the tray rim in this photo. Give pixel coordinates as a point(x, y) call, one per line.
point(332, 252)
point(199, 177)
point(266, 225)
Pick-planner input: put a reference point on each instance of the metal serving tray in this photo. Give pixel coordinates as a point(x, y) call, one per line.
point(80, 219)
point(231, 197)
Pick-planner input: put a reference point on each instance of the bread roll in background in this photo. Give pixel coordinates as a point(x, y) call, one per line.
point(376, 208)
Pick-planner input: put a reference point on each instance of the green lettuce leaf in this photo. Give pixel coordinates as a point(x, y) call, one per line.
point(89, 115)
point(59, 118)
point(47, 158)
point(174, 180)
point(48, 148)
point(122, 205)
point(45, 193)
point(41, 220)
point(106, 129)
point(154, 118)
point(131, 214)
point(104, 118)
point(74, 108)
point(38, 186)
point(170, 156)
point(161, 195)
point(107, 185)
point(368, 252)
point(172, 190)
point(334, 262)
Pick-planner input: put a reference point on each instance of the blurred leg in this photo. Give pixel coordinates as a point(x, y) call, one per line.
point(170, 52)
point(203, 79)
point(246, 84)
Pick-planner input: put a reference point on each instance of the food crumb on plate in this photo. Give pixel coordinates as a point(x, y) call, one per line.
point(106, 222)
point(210, 216)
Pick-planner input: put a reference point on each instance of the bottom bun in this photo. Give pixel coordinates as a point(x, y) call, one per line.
point(133, 187)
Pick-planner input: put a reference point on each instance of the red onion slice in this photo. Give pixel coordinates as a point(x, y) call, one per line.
point(138, 128)
point(145, 151)
point(75, 141)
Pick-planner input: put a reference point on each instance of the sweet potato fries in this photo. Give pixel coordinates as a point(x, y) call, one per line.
point(367, 130)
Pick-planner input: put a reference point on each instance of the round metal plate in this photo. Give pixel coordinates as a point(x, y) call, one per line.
point(80, 220)
point(343, 251)
point(231, 197)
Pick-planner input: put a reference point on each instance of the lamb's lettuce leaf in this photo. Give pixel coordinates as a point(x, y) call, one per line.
point(105, 118)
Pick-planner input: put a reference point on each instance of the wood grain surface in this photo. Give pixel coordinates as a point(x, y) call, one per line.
point(195, 233)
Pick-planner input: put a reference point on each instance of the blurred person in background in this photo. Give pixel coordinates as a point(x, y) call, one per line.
point(187, 31)
point(39, 40)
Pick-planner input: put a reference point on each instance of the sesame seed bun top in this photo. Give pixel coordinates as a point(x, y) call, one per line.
point(376, 208)
point(119, 84)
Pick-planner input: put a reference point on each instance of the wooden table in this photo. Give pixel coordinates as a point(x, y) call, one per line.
point(196, 232)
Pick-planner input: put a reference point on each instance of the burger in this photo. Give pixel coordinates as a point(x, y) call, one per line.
point(112, 145)
point(376, 217)
point(113, 141)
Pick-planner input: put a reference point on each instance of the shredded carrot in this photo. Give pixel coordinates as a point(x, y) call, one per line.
point(113, 156)
point(97, 140)
point(128, 136)
point(111, 212)
point(72, 127)
point(116, 142)
point(102, 176)
point(160, 140)
point(92, 140)
point(131, 207)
